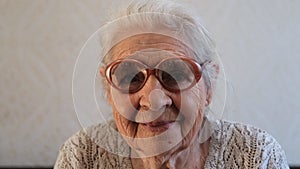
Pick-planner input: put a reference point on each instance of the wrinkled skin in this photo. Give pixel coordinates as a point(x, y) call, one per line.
point(182, 112)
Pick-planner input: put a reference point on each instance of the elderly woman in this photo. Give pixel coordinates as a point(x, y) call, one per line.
point(159, 73)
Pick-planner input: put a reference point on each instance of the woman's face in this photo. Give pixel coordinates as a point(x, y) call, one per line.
point(154, 120)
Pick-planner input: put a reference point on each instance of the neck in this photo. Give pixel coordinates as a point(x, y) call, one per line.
point(192, 157)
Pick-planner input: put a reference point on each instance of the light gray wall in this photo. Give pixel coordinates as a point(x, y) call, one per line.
point(40, 40)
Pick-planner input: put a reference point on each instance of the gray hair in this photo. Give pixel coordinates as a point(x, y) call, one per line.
point(150, 16)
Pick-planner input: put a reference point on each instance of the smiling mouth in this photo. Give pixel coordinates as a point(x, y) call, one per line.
point(160, 126)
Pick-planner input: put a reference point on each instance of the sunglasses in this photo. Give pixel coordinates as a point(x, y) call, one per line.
point(174, 74)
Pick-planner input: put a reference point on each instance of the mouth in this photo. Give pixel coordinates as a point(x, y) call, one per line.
point(159, 126)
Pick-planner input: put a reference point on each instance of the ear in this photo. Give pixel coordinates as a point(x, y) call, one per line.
point(208, 96)
point(109, 98)
point(215, 66)
point(215, 69)
point(102, 71)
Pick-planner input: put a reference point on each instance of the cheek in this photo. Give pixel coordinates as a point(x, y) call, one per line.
point(124, 112)
point(192, 106)
point(193, 101)
point(123, 104)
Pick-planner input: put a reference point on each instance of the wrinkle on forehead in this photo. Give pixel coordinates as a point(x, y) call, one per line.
point(152, 57)
point(149, 45)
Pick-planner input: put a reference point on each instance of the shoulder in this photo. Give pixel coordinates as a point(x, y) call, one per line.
point(90, 148)
point(249, 147)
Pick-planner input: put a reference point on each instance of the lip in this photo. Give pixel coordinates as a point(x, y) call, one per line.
point(160, 126)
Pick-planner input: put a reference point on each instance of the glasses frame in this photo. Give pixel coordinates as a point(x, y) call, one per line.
point(197, 70)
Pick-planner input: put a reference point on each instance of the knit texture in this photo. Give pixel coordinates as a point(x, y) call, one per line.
point(232, 145)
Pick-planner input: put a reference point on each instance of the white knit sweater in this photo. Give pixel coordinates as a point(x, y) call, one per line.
point(232, 145)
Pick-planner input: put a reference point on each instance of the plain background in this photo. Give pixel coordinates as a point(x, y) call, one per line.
point(40, 40)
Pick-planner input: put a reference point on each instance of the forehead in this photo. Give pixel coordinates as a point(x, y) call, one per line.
point(149, 48)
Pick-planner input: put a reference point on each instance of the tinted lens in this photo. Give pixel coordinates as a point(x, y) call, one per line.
point(128, 76)
point(176, 74)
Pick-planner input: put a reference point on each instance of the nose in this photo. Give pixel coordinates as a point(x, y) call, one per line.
point(153, 96)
